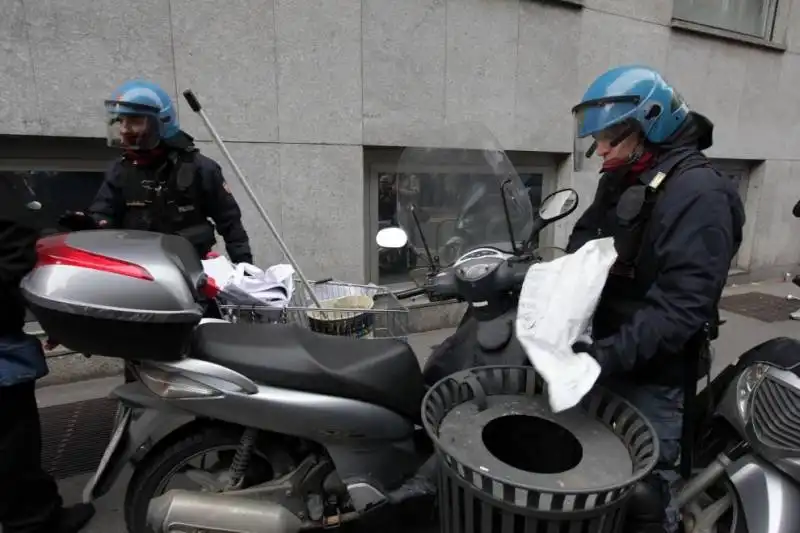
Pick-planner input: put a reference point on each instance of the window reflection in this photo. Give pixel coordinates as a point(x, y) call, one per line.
point(437, 223)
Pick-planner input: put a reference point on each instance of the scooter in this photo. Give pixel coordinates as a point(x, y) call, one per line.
point(747, 455)
point(308, 430)
point(311, 430)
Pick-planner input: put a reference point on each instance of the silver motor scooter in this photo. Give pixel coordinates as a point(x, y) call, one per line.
point(308, 430)
point(748, 450)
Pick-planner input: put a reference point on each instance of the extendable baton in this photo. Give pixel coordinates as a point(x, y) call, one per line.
point(191, 99)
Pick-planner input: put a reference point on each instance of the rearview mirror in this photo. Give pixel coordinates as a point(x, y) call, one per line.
point(391, 238)
point(558, 205)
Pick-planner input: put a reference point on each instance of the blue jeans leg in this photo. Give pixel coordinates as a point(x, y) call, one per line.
point(663, 407)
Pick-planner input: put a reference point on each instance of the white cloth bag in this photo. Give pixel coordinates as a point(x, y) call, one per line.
point(273, 287)
point(246, 284)
point(555, 310)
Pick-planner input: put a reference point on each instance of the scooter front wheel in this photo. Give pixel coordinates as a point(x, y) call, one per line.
point(203, 455)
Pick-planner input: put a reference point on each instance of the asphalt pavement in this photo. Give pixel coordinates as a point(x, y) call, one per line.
point(736, 336)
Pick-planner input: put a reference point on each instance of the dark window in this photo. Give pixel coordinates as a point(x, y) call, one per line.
point(749, 17)
point(60, 191)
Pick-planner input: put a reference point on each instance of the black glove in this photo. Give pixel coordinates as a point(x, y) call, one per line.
point(583, 347)
point(601, 356)
point(77, 221)
point(796, 210)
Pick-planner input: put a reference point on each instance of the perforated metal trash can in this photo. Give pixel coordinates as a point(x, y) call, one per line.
point(510, 465)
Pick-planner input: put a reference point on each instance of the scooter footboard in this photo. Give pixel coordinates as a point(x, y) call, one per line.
point(768, 498)
point(144, 419)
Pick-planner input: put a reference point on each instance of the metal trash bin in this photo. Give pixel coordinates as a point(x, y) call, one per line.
point(510, 465)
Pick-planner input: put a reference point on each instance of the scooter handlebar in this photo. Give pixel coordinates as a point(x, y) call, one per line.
point(192, 100)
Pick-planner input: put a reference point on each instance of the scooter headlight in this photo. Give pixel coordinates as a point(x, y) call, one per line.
point(748, 382)
point(174, 386)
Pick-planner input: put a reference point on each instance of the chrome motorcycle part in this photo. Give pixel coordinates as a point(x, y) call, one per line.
point(768, 497)
point(194, 512)
point(204, 455)
point(242, 459)
point(702, 481)
point(774, 411)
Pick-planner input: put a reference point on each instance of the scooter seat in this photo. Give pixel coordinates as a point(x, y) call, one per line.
point(382, 372)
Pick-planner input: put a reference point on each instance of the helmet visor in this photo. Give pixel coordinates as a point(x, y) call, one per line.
point(132, 132)
point(600, 120)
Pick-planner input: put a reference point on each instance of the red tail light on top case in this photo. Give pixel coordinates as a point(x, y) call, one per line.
point(54, 250)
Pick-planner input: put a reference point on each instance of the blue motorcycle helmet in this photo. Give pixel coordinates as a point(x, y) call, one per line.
point(140, 114)
point(623, 101)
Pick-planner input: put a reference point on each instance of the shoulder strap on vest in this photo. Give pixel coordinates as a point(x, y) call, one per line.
point(633, 231)
point(183, 163)
point(655, 180)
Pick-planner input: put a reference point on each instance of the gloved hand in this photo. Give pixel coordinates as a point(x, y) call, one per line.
point(601, 356)
point(583, 347)
point(78, 220)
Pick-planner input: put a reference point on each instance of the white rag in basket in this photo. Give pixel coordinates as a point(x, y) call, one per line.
point(555, 310)
point(246, 284)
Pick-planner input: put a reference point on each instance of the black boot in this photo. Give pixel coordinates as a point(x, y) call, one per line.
point(421, 485)
point(647, 507)
point(72, 519)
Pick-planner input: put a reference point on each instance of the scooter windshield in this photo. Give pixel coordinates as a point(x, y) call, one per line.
point(451, 194)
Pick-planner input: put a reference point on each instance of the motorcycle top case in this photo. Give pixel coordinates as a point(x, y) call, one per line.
point(117, 293)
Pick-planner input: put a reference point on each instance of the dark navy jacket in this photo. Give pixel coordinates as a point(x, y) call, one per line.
point(21, 356)
point(644, 321)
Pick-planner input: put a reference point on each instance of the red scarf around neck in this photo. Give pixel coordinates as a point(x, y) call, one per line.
point(146, 158)
point(644, 162)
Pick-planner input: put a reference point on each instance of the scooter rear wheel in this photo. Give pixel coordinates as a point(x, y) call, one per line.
point(154, 473)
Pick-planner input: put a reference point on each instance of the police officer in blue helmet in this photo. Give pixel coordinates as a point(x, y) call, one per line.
point(677, 224)
point(162, 182)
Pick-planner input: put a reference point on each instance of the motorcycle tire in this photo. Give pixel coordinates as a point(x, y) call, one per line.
point(163, 462)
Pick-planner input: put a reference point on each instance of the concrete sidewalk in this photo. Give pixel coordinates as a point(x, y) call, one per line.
point(736, 336)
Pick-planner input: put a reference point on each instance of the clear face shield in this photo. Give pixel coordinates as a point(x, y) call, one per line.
point(600, 123)
point(131, 128)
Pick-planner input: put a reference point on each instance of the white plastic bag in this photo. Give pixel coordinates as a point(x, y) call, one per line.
point(555, 310)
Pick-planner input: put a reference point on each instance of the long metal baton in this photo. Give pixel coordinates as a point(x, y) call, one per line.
point(195, 105)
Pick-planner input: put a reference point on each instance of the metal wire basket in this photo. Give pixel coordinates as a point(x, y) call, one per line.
point(348, 310)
